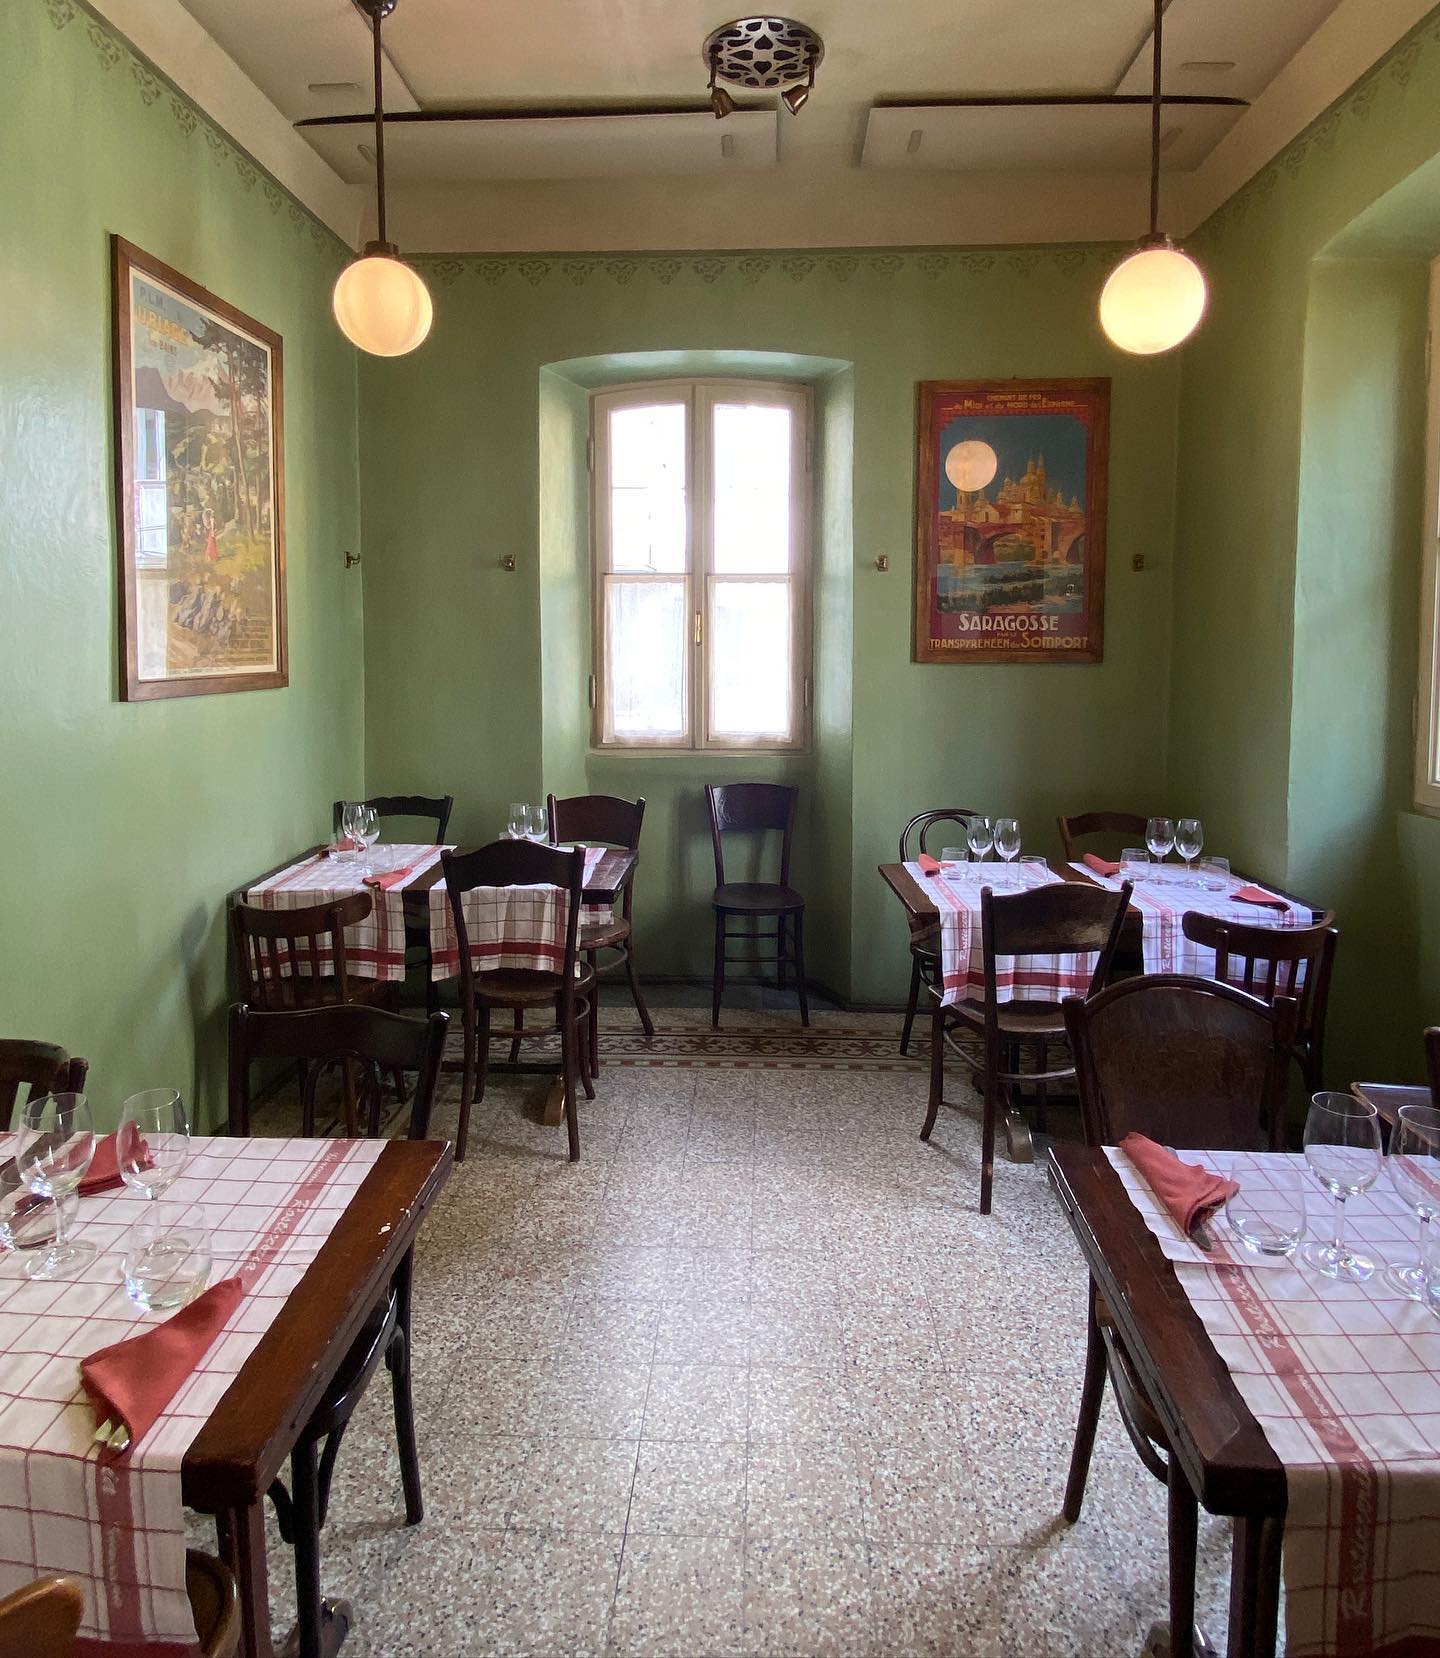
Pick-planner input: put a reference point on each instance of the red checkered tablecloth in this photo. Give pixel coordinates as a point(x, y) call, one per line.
point(375, 947)
point(956, 891)
point(117, 1526)
point(1344, 1379)
point(510, 928)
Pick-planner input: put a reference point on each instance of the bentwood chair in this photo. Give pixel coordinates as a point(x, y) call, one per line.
point(566, 991)
point(756, 809)
point(371, 1041)
point(1432, 1063)
point(605, 820)
point(1195, 1065)
point(435, 809)
point(40, 1067)
point(1270, 962)
point(992, 1037)
point(1121, 829)
point(925, 946)
point(41, 1620)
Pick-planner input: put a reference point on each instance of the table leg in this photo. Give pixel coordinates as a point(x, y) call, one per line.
point(241, 1536)
point(1255, 1586)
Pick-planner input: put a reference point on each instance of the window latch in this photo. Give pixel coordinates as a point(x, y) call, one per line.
point(697, 627)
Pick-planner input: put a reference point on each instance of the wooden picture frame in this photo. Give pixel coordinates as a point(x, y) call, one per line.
point(199, 487)
point(1010, 539)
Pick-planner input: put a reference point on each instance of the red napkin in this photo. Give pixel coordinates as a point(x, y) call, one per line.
point(104, 1171)
point(928, 865)
point(392, 879)
point(1258, 895)
point(133, 1380)
point(1189, 1192)
point(1101, 866)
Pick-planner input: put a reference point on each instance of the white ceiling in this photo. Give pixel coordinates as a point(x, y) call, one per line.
point(312, 58)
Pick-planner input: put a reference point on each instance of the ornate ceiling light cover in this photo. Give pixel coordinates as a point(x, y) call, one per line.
point(763, 54)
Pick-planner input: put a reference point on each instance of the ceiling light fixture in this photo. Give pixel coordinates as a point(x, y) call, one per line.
point(380, 302)
point(763, 54)
point(1155, 297)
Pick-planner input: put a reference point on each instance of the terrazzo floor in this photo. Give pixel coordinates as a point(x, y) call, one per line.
point(754, 1377)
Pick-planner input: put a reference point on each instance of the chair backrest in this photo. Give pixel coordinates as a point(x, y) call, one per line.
point(40, 1066)
point(370, 1039)
point(1271, 962)
point(40, 1620)
point(436, 807)
point(915, 836)
point(1192, 1063)
point(515, 863)
point(599, 819)
point(750, 808)
point(280, 955)
point(1064, 918)
point(1432, 1063)
point(1124, 824)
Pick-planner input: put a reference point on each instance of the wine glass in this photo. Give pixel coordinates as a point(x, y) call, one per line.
point(1189, 842)
point(518, 823)
point(57, 1143)
point(980, 836)
point(152, 1141)
point(1414, 1165)
point(1007, 837)
point(1342, 1147)
point(1160, 837)
point(367, 832)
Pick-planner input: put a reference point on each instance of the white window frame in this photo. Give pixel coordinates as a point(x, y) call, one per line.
point(1427, 694)
point(700, 397)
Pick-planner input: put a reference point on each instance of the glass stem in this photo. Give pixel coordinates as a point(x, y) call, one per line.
point(1420, 1259)
point(1340, 1226)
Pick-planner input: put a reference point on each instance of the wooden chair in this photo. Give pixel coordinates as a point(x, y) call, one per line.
point(1062, 919)
point(40, 1620)
point(755, 808)
point(568, 992)
point(1125, 825)
point(372, 1041)
point(924, 947)
point(435, 807)
point(1270, 962)
point(1196, 1065)
point(603, 819)
point(40, 1067)
point(215, 1603)
point(1432, 1063)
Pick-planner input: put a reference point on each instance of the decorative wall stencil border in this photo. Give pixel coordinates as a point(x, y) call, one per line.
point(1388, 76)
point(750, 269)
point(111, 48)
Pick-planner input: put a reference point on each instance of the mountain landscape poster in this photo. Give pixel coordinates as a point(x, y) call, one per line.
point(199, 493)
point(1010, 520)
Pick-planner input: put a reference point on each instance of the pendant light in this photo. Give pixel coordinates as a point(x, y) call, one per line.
point(1155, 297)
point(379, 301)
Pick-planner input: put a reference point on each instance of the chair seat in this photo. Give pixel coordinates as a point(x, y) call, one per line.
point(526, 988)
point(1018, 1020)
point(214, 1604)
point(605, 935)
point(757, 898)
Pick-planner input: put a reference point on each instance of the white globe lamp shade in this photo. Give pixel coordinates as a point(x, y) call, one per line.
point(1154, 299)
point(381, 304)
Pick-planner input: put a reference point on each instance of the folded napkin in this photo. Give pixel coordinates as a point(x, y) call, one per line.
point(132, 1381)
point(1101, 866)
point(104, 1171)
point(928, 865)
point(391, 879)
point(1189, 1192)
point(1258, 895)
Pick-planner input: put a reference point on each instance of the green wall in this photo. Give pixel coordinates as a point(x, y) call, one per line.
point(124, 825)
point(458, 651)
point(1297, 542)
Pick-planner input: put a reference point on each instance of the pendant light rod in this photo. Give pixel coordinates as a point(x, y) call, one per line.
point(1156, 103)
point(380, 133)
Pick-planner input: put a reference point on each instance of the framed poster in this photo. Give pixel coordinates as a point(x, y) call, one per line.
point(1010, 520)
point(199, 488)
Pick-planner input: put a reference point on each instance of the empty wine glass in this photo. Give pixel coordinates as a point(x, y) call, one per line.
point(518, 823)
point(152, 1141)
point(1342, 1147)
point(350, 828)
point(1160, 837)
point(1189, 842)
point(1414, 1165)
point(57, 1142)
point(980, 836)
point(1007, 837)
point(367, 832)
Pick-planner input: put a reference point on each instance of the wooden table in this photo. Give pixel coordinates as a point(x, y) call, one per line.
point(1388, 1097)
point(1220, 1446)
point(245, 1444)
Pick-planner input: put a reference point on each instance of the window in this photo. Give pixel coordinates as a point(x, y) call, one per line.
point(702, 624)
point(1427, 702)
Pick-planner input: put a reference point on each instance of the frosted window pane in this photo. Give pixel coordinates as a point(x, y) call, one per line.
point(647, 487)
point(752, 489)
point(750, 659)
point(645, 653)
